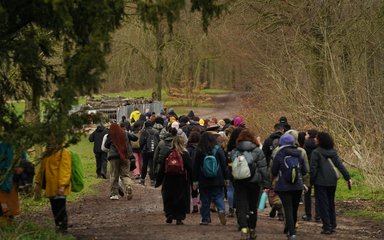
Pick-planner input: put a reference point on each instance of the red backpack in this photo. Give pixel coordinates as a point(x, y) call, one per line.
point(174, 164)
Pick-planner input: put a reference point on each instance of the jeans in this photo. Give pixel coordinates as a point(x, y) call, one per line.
point(247, 200)
point(101, 163)
point(230, 194)
point(290, 201)
point(325, 197)
point(208, 195)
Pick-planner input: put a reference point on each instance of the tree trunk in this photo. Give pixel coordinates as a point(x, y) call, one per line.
point(159, 62)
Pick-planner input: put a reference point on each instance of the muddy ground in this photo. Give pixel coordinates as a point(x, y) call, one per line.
point(97, 217)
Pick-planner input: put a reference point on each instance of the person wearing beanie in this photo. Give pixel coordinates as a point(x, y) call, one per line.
point(201, 122)
point(180, 132)
point(237, 121)
point(288, 165)
point(172, 119)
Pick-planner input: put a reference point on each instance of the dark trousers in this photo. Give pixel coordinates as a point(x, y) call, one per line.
point(325, 197)
point(247, 200)
point(59, 210)
point(147, 162)
point(308, 203)
point(101, 163)
point(290, 201)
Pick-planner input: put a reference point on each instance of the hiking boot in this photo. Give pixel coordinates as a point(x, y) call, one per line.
point(292, 237)
point(169, 220)
point(252, 234)
point(307, 217)
point(204, 223)
point(179, 222)
point(231, 213)
point(195, 209)
point(222, 218)
point(129, 193)
point(153, 183)
point(244, 234)
point(114, 197)
point(318, 219)
point(281, 217)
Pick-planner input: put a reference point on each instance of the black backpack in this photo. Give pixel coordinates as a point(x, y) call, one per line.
point(152, 142)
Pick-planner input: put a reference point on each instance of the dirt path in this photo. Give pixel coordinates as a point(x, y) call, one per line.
point(97, 217)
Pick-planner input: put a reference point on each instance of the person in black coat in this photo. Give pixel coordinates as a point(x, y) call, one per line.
point(101, 157)
point(175, 187)
point(325, 164)
point(193, 140)
point(272, 142)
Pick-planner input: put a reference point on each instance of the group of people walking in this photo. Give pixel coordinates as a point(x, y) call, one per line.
point(209, 160)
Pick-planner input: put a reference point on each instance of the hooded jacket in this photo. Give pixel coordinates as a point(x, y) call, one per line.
point(97, 138)
point(267, 146)
point(322, 172)
point(278, 164)
point(261, 175)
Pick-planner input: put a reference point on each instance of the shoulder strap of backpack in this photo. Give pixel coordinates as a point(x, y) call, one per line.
point(215, 149)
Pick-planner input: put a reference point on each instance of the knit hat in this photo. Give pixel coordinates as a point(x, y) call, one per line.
point(287, 139)
point(221, 123)
point(172, 119)
point(191, 114)
point(237, 121)
point(201, 122)
point(175, 125)
point(148, 123)
point(283, 119)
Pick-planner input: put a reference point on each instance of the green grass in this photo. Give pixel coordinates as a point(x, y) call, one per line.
point(364, 201)
point(30, 231)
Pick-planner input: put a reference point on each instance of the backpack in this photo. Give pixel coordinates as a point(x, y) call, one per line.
point(210, 164)
point(174, 164)
point(77, 176)
point(136, 144)
point(291, 169)
point(243, 166)
point(152, 142)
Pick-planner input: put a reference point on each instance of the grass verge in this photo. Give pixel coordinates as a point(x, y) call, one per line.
point(361, 201)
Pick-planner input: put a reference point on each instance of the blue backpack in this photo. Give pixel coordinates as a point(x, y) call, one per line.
point(210, 164)
point(291, 169)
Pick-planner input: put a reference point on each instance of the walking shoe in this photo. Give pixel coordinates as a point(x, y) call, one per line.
point(244, 234)
point(281, 217)
point(204, 223)
point(252, 234)
point(179, 222)
point(292, 237)
point(307, 217)
point(129, 193)
point(318, 219)
point(169, 220)
point(153, 183)
point(195, 209)
point(326, 232)
point(114, 197)
point(121, 191)
point(142, 181)
point(222, 218)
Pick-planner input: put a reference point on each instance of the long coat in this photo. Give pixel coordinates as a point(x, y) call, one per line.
point(175, 190)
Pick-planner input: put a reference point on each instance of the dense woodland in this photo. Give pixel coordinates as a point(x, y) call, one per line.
point(320, 63)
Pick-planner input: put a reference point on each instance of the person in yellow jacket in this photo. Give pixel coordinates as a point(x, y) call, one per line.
point(55, 177)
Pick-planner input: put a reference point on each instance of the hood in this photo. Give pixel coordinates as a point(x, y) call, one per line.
point(100, 128)
point(276, 135)
point(168, 137)
point(310, 143)
point(328, 153)
point(246, 146)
